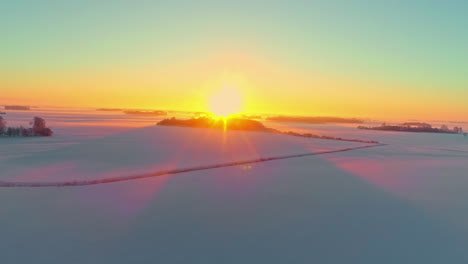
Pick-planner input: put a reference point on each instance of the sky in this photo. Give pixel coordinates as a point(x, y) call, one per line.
point(375, 59)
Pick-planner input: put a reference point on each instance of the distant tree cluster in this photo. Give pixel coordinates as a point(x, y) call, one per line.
point(17, 107)
point(109, 109)
point(206, 122)
point(309, 135)
point(418, 124)
point(147, 113)
point(458, 130)
point(315, 119)
point(415, 127)
point(38, 128)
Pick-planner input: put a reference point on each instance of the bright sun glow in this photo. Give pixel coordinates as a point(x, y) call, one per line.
point(225, 102)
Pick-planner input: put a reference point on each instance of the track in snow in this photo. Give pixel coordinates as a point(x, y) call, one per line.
point(161, 173)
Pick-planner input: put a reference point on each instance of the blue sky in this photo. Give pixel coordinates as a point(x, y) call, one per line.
point(418, 44)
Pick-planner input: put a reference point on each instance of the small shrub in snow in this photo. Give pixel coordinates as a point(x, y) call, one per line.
point(2, 125)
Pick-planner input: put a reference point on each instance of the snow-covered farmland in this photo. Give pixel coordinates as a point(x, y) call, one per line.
point(404, 202)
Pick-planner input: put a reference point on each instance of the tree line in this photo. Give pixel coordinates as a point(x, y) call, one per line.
point(38, 128)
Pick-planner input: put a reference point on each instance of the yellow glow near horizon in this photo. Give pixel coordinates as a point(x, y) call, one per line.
point(226, 102)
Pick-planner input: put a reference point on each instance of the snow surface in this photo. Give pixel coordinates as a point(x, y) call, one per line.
point(400, 203)
point(158, 148)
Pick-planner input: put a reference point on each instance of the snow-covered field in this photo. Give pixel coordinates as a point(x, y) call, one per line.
point(405, 202)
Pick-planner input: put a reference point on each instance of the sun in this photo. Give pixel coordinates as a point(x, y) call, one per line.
point(226, 102)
